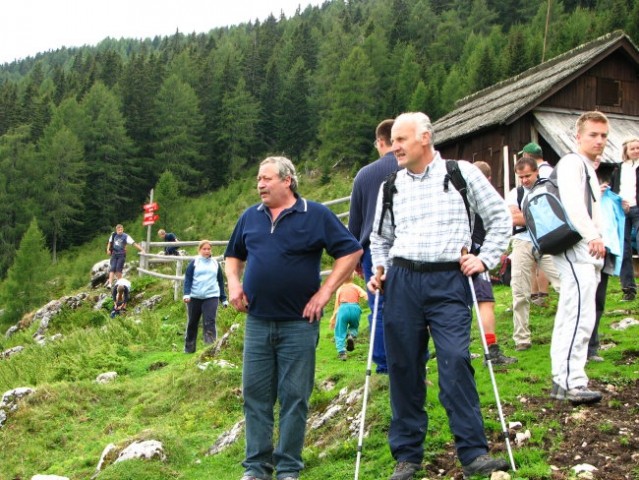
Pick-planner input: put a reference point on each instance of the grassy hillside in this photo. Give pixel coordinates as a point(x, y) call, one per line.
point(163, 394)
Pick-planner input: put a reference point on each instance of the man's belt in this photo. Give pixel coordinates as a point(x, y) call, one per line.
point(424, 267)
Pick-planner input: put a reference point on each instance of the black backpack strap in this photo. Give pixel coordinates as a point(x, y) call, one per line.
point(591, 197)
point(454, 175)
point(520, 195)
point(388, 190)
point(520, 198)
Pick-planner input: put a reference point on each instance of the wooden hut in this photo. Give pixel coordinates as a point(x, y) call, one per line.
point(542, 105)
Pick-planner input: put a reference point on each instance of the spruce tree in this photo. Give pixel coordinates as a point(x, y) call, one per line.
point(178, 132)
point(347, 128)
point(60, 188)
point(25, 286)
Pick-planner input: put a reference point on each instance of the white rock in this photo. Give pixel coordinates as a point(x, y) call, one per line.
point(585, 476)
point(106, 377)
point(224, 363)
point(226, 439)
point(500, 476)
point(522, 437)
point(584, 467)
point(11, 351)
point(147, 450)
point(624, 324)
point(107, 450)
point(514, 425)
point(3, 417)
point(11, 397)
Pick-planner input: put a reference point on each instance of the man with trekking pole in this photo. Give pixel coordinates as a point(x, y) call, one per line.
point(427, 294)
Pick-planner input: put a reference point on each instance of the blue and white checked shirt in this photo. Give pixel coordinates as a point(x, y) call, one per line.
point(431, 225)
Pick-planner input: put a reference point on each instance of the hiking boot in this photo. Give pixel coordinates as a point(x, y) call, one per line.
point(554, 391)
point(520, 347)
point(541, 299)
point(628, 297)
point(405, 471)
point(485, 465)
point(577, 395)
point(350, 343)
point(342, 356)
point(496, 356)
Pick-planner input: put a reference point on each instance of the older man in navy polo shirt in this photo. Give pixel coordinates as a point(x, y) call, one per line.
point(278, 245)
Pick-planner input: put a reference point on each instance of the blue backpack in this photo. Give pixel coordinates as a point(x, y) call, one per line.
point(550, 228)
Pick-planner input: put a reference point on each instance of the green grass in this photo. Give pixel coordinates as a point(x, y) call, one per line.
point(161, 393)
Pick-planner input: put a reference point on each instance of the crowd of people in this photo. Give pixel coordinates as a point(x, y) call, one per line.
point(415, 242)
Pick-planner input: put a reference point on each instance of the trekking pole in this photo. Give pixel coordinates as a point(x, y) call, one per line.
point(368, 376)
point(489, 362)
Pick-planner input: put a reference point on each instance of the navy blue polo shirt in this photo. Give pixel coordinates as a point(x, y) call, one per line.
point(282, 269)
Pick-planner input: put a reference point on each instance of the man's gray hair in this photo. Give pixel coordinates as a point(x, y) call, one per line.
point(421, 121)
point(285, 168)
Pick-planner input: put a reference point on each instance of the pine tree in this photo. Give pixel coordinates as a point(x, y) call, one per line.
point(345, 133)
point(25, 286)
point(294, 124)
point(407, 80)
point(239, 121)
point(167, 195)
point(113, 186)
point(178, 131)
point(18, 173)
point(61, 185)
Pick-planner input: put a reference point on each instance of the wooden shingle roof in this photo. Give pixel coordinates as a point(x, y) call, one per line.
point(508, 100)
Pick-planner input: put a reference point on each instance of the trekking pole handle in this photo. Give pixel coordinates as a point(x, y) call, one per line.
point(378, 276)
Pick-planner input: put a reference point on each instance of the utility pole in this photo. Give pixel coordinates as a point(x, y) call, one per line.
point(543, 52)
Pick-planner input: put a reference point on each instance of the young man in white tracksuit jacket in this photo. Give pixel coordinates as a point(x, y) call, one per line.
point(580, 266)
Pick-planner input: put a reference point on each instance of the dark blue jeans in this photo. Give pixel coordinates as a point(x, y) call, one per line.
point(420, 306)
point(379, 352)
point(627, 275)
point(279, 365)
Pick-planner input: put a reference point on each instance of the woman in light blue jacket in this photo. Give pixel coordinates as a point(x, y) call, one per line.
point(203, 290)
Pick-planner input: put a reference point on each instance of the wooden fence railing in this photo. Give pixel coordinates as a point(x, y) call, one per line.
point(148, 259)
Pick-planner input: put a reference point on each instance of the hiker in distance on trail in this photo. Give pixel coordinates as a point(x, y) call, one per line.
point(427, 294)
point(116, 248)
point(169, 237)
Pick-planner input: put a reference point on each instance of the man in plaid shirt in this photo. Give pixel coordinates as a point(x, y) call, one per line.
point(427, 294)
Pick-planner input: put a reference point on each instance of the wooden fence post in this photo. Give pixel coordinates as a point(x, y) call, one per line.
point(176, 283)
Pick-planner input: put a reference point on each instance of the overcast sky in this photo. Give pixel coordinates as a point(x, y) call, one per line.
point(32, 26)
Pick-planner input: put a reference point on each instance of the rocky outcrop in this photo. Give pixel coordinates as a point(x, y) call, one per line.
point(46, 313)
point(10, 401)
point(148, 304)
point(145, 450)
